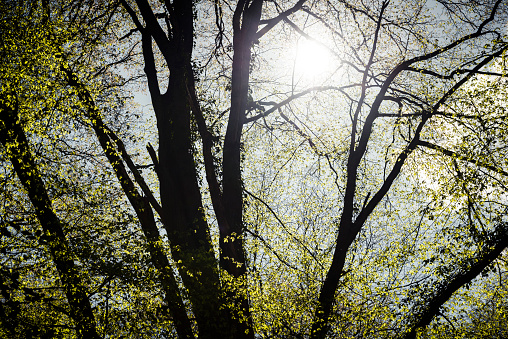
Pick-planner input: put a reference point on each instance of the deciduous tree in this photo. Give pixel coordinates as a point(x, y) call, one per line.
point(359, 200)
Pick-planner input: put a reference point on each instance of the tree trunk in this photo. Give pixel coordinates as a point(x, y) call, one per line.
point(14, 140)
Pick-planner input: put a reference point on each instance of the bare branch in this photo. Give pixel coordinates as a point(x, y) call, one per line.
point(282, 16)
point(137, 176)
point(267, 245)
point(291, 98)
point(452, 74)
point(285, 227)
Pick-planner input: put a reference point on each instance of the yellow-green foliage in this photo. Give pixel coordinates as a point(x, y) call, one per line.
point(438, 217)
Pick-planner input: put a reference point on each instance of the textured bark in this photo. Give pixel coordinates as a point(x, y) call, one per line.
point(182, 210)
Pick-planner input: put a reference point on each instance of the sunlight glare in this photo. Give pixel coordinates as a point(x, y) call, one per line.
point(312, 59)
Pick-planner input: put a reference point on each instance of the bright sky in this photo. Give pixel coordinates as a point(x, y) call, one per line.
point(312, 60)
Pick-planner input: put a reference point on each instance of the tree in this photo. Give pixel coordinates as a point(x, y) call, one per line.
point(369, 223)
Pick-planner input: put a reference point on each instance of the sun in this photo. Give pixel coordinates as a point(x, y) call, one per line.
point(312, 60)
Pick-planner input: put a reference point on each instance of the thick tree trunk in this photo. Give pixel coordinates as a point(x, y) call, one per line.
point(182, 209)
point(183, 212)
point(245, 24)
point(141, 206)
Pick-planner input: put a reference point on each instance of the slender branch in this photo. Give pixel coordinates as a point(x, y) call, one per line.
point(151, 72)
point(364, 81)
point(284, 226)
point(153, 155)
point(137, 176)
point(456, 155)
point(267, 245)
point(276, 106)
point(303, 134)
point(452, 74)
point(274, 21)
point(435, 296)
point(132, 31)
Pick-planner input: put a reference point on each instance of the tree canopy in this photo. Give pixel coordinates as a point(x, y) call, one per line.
point(253, 169)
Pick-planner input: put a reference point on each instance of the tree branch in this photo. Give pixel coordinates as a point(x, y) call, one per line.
point(207, 141)
point(137, 176)
point(141, 206)
point(267, 245)
point(455, 155)
point(276, 106)
point(415, 142)
point(435, 296)
point(14, 140)
point(451, 74)
point(274, 21)
point(284, 226)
